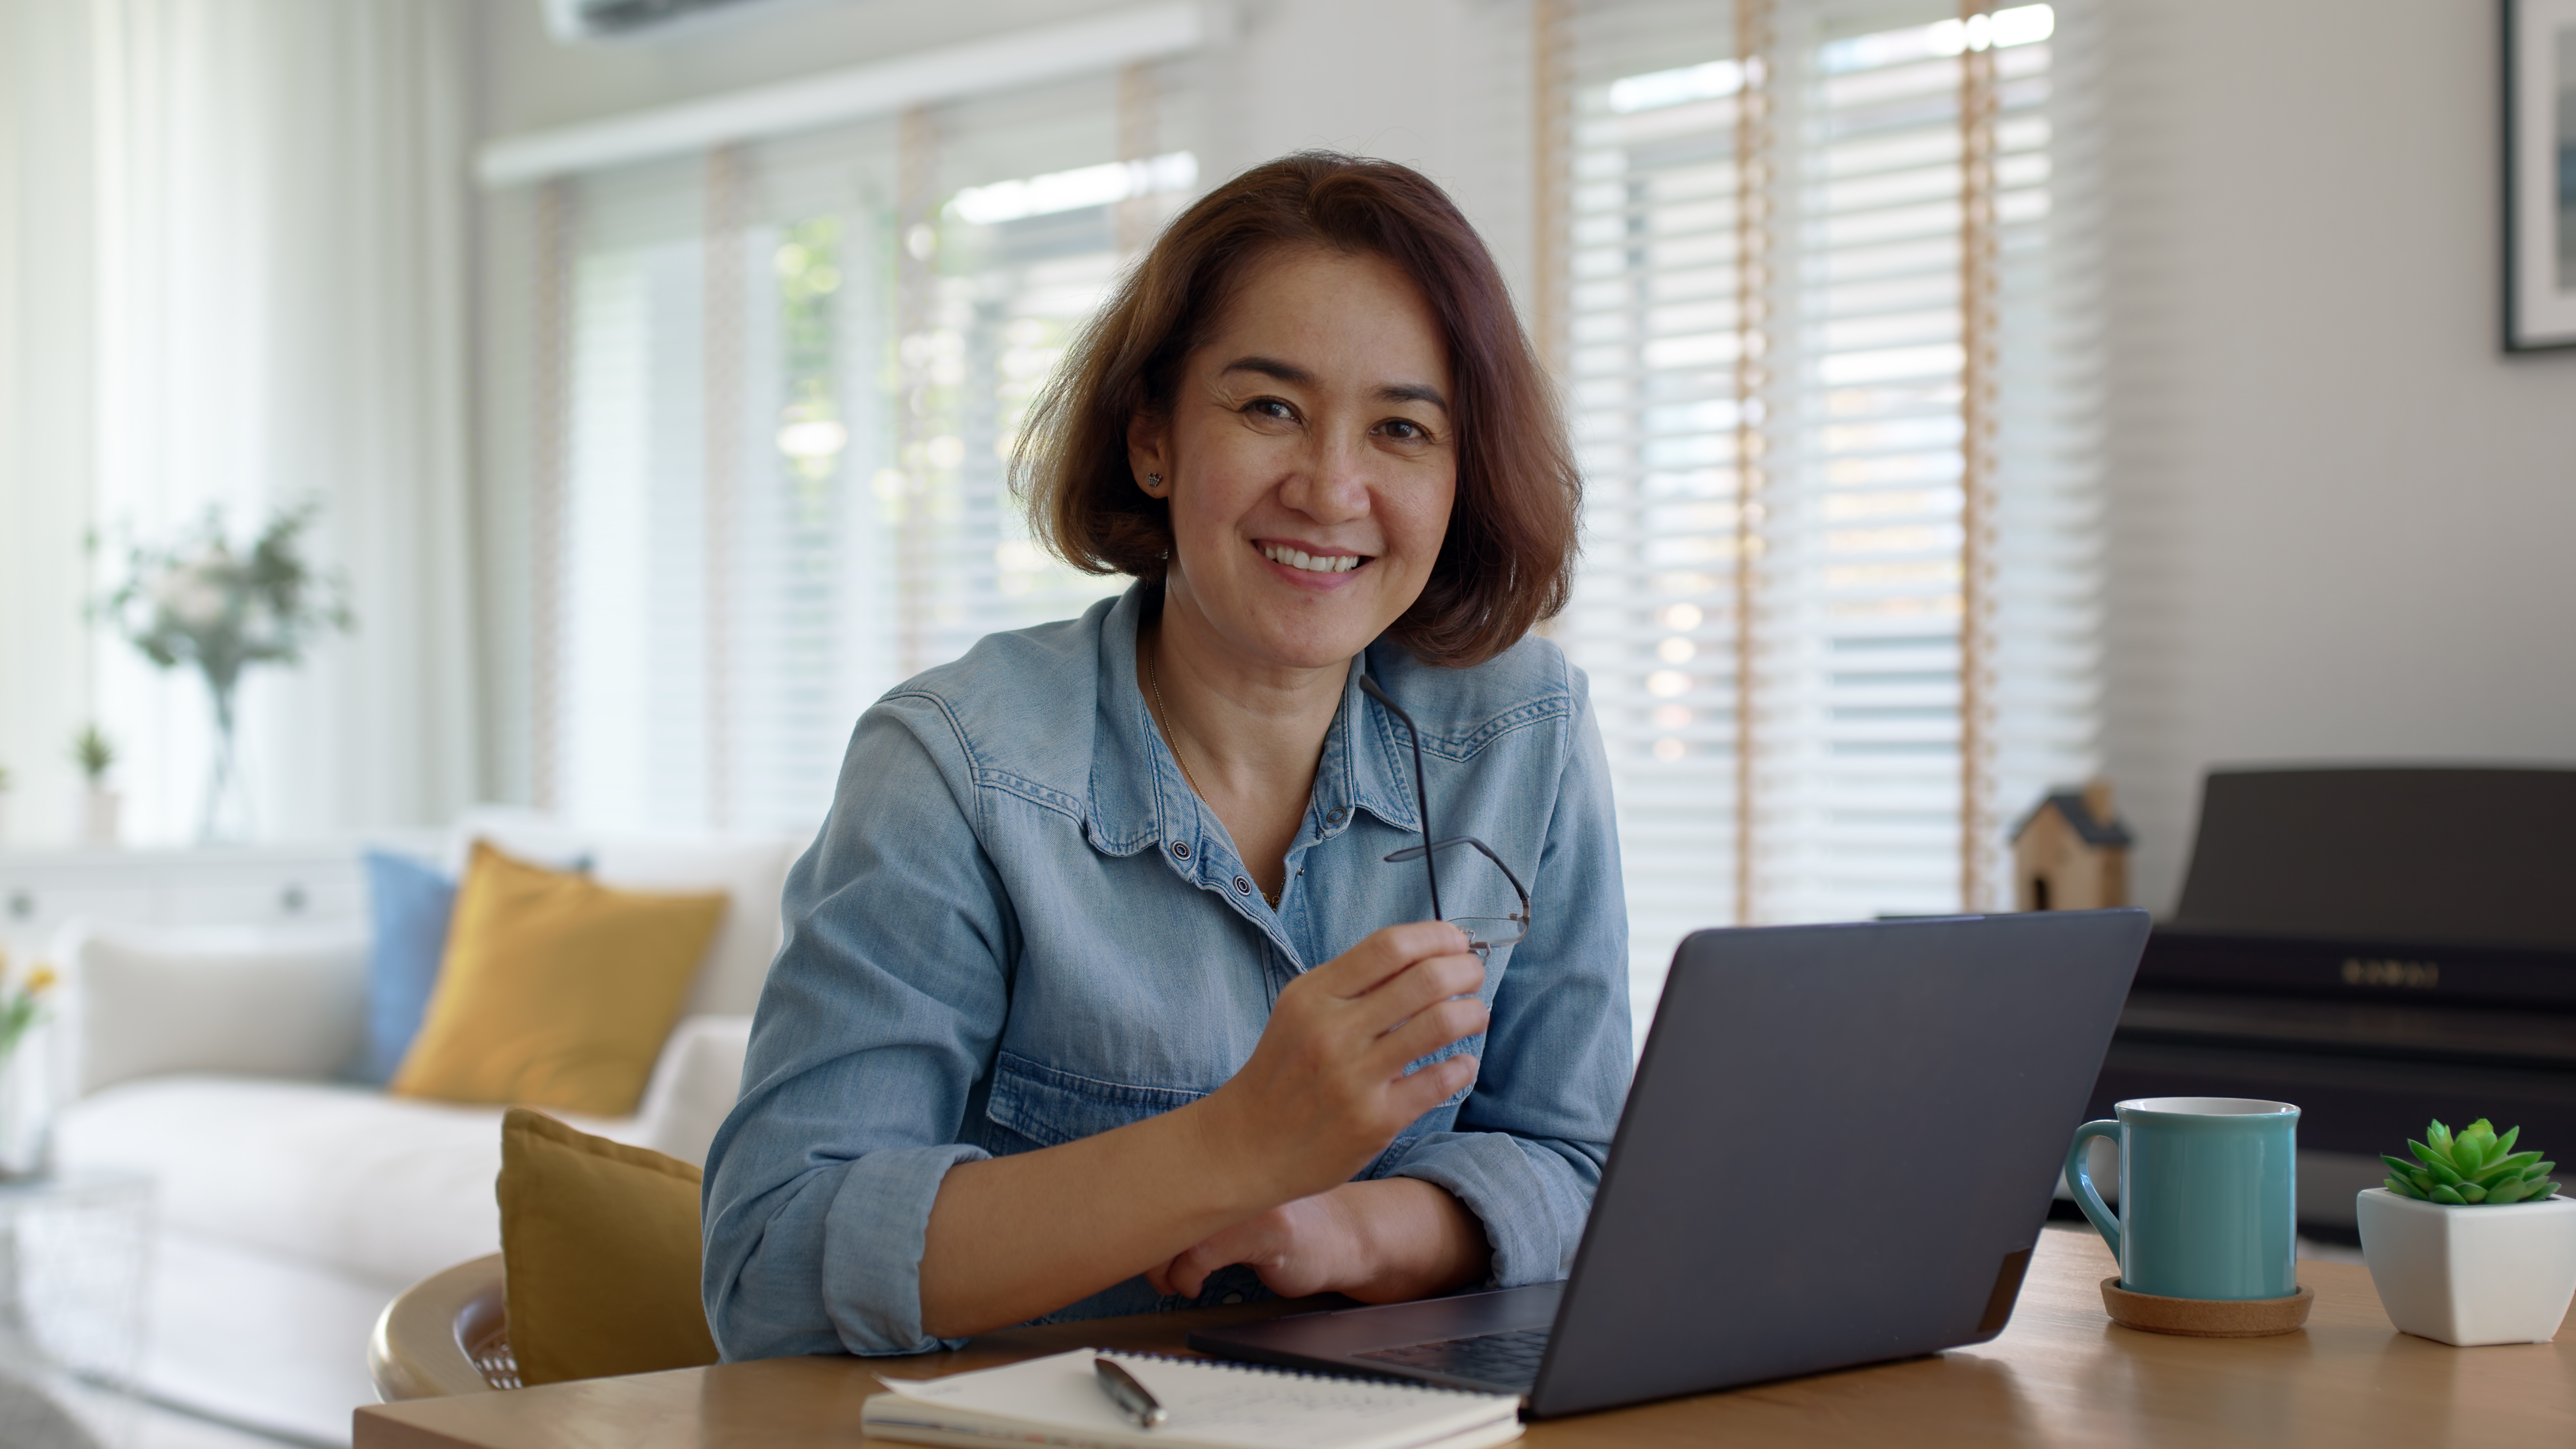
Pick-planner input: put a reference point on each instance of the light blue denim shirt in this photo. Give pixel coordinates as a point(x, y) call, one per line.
point(1020, 927)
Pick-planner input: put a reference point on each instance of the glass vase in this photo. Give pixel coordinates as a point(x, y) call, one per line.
point(226, 818)
point(27, 1105)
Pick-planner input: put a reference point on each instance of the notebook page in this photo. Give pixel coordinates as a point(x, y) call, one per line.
point(1220, 1405)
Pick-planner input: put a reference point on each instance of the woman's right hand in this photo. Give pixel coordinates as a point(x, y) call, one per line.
point(1015, 1236)
point(1325, 1089)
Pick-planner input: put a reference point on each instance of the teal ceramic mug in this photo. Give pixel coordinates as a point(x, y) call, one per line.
point(2209, 1202)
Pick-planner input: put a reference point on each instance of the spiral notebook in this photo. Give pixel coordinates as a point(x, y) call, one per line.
point(1210, 1404)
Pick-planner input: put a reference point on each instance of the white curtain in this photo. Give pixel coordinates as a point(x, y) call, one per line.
point(44, 388)
point(277, 310)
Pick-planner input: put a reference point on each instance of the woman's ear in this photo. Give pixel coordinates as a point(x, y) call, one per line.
point(1149, 455)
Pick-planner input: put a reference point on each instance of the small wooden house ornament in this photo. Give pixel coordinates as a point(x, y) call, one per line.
point(2072, 853)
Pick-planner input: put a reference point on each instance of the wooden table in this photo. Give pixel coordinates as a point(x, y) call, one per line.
point(2059, 1374)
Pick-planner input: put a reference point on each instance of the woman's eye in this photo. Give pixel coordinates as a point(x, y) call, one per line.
point(1405, 430)
point(1271, 407)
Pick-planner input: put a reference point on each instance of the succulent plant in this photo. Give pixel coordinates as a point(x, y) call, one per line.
point(2473, 1165)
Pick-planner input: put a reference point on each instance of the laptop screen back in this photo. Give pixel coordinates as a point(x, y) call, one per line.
point(1839, 1148)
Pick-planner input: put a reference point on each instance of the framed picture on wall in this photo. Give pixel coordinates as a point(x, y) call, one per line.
point(2540, 174)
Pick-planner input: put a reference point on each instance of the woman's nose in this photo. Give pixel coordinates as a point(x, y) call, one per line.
point(1333, 487)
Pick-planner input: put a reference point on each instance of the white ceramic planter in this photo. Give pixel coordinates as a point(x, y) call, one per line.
point(2470, 1275)
point(99, 808)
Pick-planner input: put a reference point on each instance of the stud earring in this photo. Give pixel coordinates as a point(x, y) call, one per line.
point(1153, 480)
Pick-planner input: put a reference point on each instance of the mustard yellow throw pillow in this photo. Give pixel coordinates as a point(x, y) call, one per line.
point(599, 1245)
point(556, 991)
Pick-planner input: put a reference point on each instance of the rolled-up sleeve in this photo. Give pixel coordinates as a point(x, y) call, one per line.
point(1531, 1137)
point(878, 1019)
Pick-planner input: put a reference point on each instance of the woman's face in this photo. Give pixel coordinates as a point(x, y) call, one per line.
point(1310, 459)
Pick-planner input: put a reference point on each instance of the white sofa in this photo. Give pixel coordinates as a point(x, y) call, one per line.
point(291, 1207)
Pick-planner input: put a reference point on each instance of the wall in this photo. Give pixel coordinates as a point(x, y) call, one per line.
point(1294, 73)
point(2340, 517)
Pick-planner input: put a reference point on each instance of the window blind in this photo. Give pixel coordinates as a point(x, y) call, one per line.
point(631, 661)
point(1651, 353)
point(1040, 212)
point(1766, 359)
point(790, 377)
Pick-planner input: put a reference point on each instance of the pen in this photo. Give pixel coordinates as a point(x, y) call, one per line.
point(1129, 1395)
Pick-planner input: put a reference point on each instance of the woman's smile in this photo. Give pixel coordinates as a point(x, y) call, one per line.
point(1310, 565)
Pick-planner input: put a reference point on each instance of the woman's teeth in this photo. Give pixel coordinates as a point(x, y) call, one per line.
point(1300, 559)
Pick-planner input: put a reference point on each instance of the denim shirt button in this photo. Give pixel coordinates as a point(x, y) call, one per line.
point(1334, 816)
point(1180, 850)
point(1242, 887)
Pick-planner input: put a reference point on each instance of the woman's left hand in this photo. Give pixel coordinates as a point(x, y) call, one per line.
point(1379, 1242)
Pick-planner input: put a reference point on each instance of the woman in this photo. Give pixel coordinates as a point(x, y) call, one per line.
point(1098, 993)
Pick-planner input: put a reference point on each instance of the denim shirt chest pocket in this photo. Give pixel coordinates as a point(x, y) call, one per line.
point(1044, 1107)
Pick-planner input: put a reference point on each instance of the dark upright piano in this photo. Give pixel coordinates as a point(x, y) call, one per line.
point(2378, 946)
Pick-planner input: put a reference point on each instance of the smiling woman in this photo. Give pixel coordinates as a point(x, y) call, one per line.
point(1110, 984)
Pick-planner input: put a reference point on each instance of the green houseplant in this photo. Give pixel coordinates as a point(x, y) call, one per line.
point(200, 602)
point(95, 753)
point(2468, 1239)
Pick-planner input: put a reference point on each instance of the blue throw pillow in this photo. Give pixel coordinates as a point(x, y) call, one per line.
point(409, 902)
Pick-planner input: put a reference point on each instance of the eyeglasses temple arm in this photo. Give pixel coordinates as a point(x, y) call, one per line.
point(1410, 851)
point(1488, 852)
point(1421, 795)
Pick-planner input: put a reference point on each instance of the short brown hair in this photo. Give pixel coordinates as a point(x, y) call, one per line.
point(1508, 560)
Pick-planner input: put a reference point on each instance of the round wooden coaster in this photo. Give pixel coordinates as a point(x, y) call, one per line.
point(2207, 1317)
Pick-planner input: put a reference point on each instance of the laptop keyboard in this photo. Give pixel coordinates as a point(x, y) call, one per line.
point(1508, 1359)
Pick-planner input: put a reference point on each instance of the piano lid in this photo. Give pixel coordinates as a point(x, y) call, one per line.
point(2465, 856)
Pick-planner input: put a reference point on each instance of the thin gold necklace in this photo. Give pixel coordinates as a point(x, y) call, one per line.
point(1162, 717)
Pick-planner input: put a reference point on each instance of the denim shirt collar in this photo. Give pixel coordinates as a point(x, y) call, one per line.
point(1140, 798)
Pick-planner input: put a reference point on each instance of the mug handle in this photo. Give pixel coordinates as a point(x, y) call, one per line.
point(2079, 1180)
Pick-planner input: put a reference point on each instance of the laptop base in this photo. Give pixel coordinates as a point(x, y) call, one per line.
point(1409, 1341)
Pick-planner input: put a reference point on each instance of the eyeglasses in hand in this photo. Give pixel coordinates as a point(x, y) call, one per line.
point(1484, 933)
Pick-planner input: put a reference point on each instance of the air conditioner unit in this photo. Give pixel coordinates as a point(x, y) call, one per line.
point(618, 19)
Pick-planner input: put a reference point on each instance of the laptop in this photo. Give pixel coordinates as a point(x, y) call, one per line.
point(1838, 1149)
